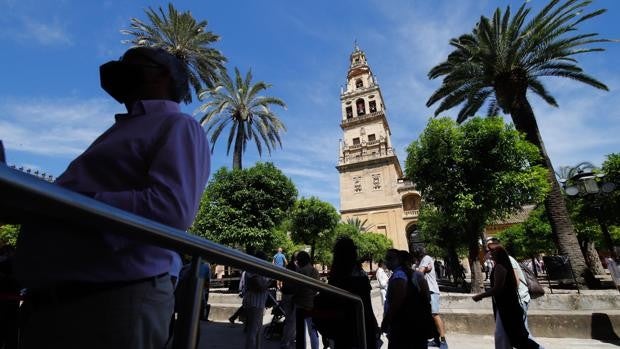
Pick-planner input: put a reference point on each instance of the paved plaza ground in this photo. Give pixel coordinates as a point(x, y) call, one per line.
point(225, 335)
point(220, 335)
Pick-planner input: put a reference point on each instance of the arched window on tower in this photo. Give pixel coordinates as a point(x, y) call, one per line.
point(372, 106)
point(349, 112)
point(359, 83)
point(361, 106)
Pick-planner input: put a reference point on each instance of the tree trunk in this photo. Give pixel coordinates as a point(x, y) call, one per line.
point(607, 236)
point(477, 281)
point(238, 152)
point(563, 231)
point(593, 259)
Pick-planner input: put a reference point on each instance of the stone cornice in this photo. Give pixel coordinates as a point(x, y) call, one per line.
point(390, 159)
point(371, 208)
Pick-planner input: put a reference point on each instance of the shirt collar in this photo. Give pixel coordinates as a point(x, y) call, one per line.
point(151, 106)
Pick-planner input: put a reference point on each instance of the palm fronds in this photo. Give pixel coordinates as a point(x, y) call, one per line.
point(237, 102)
point(507, 50)
point(182, 35)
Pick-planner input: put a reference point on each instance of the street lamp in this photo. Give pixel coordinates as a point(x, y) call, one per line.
point(586, 183)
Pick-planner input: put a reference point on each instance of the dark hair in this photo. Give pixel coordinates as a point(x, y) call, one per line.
point(175, 67)
point(418, 252)
point(500, 256)
point(405, 259)
point(345, 258)
point(303, 258)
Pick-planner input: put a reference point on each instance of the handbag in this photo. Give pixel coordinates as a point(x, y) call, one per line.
point(533, 286)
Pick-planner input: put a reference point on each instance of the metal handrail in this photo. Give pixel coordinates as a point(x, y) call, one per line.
point(24, 195)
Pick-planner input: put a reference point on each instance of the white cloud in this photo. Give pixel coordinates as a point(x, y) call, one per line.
point(59, 127)
point(47, 34)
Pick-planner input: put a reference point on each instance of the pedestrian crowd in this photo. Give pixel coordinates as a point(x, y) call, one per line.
point(409, 296)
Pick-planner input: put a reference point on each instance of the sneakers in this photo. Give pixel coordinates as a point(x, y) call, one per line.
point(438, 342)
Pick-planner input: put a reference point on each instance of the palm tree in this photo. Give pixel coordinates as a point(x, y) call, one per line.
point(501, 60)
point(180, 34)
point(360, 225)
point(239, 104)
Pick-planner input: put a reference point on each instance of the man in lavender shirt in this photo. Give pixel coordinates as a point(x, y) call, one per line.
point(91, 288)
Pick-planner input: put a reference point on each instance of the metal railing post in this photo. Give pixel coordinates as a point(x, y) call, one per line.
point(189, 315)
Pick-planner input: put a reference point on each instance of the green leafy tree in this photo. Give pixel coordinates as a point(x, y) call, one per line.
point(8, 234)
point(238, 104)
point(529, 238)
point(443, 236)
point(503, 58)
point(600, 209)
point(244, 207)
point(372, 246)
point(180, 34)
point(611, 201)
point(313, 220)
point(474, 173)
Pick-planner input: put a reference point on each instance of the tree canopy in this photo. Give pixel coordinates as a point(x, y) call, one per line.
point(313, 220)
point(474, 173)
point(242, 207)
point(529, 238)
point(8, 234)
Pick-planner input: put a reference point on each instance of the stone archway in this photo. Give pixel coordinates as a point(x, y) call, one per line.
point(413, 235)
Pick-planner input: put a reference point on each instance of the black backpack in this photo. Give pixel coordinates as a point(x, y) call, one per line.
point(419, 305)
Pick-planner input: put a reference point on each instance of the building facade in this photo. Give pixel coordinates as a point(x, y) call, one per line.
point(372, 185)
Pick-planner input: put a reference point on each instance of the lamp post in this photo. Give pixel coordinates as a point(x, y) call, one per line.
point(586, 183)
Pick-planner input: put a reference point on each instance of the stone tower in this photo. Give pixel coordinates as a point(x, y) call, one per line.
point(372, 186)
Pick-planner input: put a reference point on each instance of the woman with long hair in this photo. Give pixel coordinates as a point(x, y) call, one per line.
point(346, 273)
point(506, 306)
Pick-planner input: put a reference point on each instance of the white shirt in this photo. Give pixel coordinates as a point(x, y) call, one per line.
point(431, 276)
point(524, 294)
point(382, 278)
point(255, 299)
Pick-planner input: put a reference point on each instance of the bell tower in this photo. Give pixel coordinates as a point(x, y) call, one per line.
point(372, 187)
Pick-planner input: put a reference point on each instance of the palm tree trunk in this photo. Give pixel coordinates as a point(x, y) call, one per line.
point(238, 152)
point(593, 259)
point(563, 231)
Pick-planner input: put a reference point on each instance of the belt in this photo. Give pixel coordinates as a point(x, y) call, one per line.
point(71, 291)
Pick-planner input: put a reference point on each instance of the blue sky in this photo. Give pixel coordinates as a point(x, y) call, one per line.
point(51, 105)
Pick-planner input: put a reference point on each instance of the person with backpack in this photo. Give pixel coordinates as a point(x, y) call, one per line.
point(407, 318)
point(510, 331)
point(524, 293)
point(304, 303)
point(254, 299)
point(426, 267)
